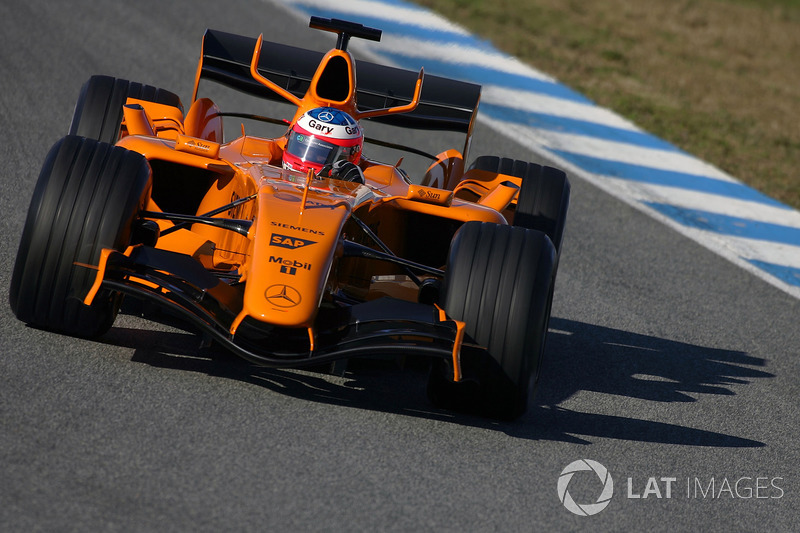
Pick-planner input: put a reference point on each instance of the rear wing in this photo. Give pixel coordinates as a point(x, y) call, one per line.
point(445, 104)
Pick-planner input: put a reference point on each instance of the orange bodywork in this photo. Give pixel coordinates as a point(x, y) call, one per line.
point(297, 220)
point(287, 259)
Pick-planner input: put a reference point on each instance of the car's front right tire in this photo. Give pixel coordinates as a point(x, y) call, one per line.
point(86, 199)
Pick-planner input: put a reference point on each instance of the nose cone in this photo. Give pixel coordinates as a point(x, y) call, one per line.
point(292, 252)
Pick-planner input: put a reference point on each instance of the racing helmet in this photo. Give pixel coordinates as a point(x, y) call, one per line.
point(321, 137)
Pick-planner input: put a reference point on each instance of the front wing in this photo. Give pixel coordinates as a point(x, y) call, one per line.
point(386, 326)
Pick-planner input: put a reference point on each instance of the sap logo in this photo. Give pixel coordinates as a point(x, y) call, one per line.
point(289, 266)
point(284, 241)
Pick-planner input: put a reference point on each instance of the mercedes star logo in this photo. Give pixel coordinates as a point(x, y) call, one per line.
point(282, 296)
point(325, 116)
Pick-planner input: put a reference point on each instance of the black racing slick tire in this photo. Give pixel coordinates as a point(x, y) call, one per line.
point(86, 199)
point(543, 202)
point(543, 198)
point(498, 282)
point(98, 112)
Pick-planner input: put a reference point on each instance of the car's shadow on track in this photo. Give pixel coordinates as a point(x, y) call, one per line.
point(585, 357)
point(580, 357)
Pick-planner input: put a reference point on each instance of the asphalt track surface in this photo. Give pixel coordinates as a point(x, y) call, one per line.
point(663, 361)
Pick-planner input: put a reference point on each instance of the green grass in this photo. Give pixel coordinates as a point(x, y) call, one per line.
point(718, 78)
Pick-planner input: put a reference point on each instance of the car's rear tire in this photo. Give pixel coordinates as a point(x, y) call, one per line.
point(543, 202)
point(86, 199)
point(98, 112)
point(498, 282)
point(543, 199)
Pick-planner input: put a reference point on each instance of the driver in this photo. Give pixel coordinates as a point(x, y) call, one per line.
point(327, 140)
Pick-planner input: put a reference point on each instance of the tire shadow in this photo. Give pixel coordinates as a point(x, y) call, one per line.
point(579, 357)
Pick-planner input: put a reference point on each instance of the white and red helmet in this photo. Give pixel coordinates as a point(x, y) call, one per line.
point(320, 137)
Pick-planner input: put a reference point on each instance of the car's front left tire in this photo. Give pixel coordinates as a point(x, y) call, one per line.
point(499, 283)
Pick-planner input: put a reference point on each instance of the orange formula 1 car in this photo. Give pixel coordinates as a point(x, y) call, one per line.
point(300, 250)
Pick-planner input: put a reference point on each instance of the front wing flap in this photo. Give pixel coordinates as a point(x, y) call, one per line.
point(179, 284)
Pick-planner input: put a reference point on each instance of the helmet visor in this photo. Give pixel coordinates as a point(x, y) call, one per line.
point(316, 151)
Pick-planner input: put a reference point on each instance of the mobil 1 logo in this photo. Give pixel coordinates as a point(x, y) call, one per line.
point(289, 266)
